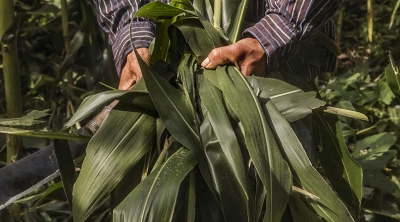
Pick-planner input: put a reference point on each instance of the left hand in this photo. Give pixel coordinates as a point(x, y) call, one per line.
point(247, 55)
point(131, 72)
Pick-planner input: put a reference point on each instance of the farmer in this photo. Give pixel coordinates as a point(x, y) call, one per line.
point(277, 45)
point(287, 26)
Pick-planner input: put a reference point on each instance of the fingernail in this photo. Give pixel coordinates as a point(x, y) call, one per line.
point(205, 62)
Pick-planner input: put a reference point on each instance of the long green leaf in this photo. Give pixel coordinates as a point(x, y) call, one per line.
point(396, 7)
point(341, 169)
point(263, 149)
point(177, 114)
point(43, 134)
point(233, 15)
point(154, 199)
point(121, 141)
point(138, 95)
point(196, 37)
point(346, 113)
point(66, 166)
point(224, 156)
point(29, 120)
point(329, 206)
point(204, 7)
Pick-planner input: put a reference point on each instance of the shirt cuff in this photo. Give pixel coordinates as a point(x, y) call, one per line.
point(142, 33)
point(277, 35)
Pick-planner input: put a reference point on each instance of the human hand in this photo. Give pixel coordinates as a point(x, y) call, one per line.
point(247, 54)
point(131, 72)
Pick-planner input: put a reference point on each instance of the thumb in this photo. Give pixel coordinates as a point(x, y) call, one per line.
point(218, 57)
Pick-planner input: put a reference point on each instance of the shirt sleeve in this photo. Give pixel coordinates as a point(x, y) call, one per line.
point(114, 18)
point(289, 24)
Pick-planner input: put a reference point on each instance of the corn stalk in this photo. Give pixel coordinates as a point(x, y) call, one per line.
point(370, 5)
point(11, 73)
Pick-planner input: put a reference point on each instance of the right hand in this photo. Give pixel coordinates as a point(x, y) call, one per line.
point(131, 72)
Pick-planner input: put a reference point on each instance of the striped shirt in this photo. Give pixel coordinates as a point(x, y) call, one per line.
point(286, 26)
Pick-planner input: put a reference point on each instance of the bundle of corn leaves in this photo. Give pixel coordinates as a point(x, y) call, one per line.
point(208, 145)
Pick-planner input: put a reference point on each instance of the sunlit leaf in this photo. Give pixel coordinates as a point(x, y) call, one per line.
point(263, 149)
point(328, 206)
point(154, 199)
point(346, 113)
point(177, 114)
point(115, 148)
point(224, 156)
point(378, 143)
point(291, 101)
point(29, 120)
point(343, 172)
point(236, 10)
point(138, 95)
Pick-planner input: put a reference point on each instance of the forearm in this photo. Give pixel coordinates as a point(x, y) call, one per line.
point(290, 24)
point(114, 17)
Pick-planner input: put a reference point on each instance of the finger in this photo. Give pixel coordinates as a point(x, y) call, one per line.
point(218, 57)
point(246, 70)
point(144, 54)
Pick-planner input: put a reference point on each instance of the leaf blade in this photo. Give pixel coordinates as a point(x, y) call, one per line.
point(154, 199)
point(101, 170)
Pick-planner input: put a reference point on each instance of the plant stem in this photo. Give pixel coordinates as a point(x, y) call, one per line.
point(65, 22)
point(339, 25)
point(64, 19)
point(217, 14)
point(370, 5)
point(11, 76)
point(240, 19)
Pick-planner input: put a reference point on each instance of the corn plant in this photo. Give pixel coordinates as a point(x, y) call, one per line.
point(209, 145)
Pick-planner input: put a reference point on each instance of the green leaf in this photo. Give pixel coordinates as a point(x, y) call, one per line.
point(224, 156)
point(343, 172)
point(154, 199)
point(196, 37)
point(300, 210)
point(159, 10)
point(346, 113)
point(263, 149)
point(384, 91)
point(373, 164)
point(205, 8)
point(200, 35)
point(177, 114)
point(329, 206)
point(392, 75)
point(138, 95)
point(29, 120)
point(233, 13)
point(66, 166)
point(115, 148)
point(43, 134)
point(396, 7)
point(186, 75)
point(378, 143)
point(291, 101)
